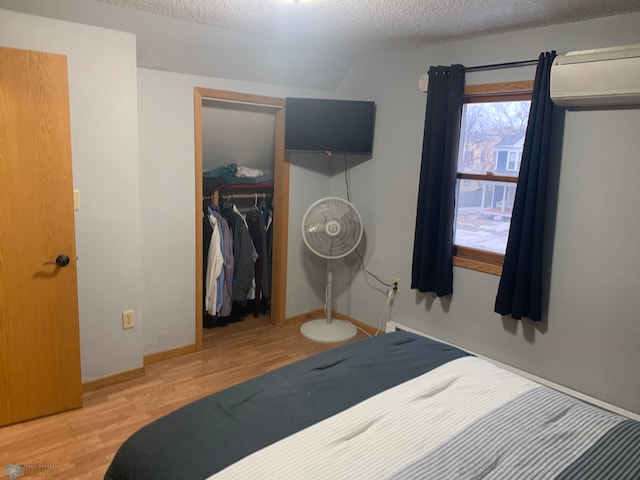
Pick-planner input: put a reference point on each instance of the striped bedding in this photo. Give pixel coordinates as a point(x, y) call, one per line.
point(397, 406)
point(467, 419)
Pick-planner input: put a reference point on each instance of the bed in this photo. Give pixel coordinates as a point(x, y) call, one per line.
point(396, 406)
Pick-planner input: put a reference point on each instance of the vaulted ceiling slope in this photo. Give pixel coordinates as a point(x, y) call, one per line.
point(308, 43)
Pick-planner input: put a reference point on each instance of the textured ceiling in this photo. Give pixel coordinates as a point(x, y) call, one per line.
point(311, 45)
point(356, 25)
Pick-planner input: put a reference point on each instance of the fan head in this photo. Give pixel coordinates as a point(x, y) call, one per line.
point(332, 227)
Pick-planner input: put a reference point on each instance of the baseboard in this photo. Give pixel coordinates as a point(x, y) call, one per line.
point(304, 317)
point(315, 314)
point(167, 354)
point(371, 330)
point(114, 379)
point(136, 372)
point(179, 351)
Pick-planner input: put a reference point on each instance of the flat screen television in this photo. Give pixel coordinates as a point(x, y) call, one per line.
point(322, 125)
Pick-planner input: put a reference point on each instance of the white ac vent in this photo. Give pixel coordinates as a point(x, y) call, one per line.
point(603, 77)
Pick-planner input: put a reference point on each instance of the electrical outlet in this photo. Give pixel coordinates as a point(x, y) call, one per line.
point(128, 319)
point(396, 280)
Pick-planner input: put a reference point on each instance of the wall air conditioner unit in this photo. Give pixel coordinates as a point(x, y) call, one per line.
point(597, 78)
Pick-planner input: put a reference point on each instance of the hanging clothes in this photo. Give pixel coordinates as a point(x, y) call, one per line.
point(207, 320)
point(269, 247)
point(221, 277)
point(244, 255)
point(214, 267)
point(251, 280)
point(227, 266)
point(255, 222)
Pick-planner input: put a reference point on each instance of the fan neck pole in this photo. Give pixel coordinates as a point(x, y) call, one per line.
point(329, 291)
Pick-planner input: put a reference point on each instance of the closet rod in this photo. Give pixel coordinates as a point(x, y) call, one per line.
point(244, 195)
point(497, 66)
point(215, 198)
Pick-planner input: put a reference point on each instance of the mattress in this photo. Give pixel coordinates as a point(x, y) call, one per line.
point(397, 406)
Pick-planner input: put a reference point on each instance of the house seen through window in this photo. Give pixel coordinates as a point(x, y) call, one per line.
point(490, 152)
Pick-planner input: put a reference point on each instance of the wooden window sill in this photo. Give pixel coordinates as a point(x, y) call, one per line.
point(477, 265)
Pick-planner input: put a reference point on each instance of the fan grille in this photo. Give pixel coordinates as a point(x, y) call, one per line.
point(332, 227)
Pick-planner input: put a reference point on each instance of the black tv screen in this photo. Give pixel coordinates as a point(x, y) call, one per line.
point(321, 125)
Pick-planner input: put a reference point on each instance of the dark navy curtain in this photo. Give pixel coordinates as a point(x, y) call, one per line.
point(520, 290)
point(432, 269)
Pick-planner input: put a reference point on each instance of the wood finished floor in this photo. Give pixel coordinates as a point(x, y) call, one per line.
point(83, 442)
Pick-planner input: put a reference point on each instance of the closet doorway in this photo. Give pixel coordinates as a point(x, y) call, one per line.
point(280, 196)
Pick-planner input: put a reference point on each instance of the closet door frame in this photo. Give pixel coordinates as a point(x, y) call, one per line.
point(280, 200)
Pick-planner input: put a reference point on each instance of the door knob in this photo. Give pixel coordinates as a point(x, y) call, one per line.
point(61, 261)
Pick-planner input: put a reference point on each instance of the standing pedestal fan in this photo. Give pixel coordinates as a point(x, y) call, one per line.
point(331, 228)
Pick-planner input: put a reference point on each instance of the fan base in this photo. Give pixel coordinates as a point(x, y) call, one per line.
point(321, 331)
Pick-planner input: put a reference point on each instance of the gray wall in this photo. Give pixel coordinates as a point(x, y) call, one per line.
point(135, 232)
point(306, 272)
point(236, 133)
point(167, 192)
point(104, 141)
point(589, 341)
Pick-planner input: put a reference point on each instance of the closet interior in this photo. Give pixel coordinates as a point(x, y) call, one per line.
point(237, 210)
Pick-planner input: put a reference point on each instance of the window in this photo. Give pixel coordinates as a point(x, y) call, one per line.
point(494, 124)
point(513, 161)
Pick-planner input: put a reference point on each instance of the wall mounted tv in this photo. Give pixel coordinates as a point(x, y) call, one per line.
point(337, 126)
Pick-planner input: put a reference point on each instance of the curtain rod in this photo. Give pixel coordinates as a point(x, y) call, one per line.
point(496, 66)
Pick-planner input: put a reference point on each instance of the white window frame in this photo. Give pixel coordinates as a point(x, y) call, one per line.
point(516, 162)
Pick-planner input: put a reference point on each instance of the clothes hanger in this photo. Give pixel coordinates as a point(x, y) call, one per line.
point(235, 208)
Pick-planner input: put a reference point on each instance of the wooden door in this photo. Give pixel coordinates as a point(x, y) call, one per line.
point(39, 333)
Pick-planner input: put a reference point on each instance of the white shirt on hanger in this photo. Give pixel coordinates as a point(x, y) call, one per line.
point(214, 267)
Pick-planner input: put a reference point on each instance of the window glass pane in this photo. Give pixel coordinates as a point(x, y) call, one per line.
point(492, 137)
point(483, 214)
